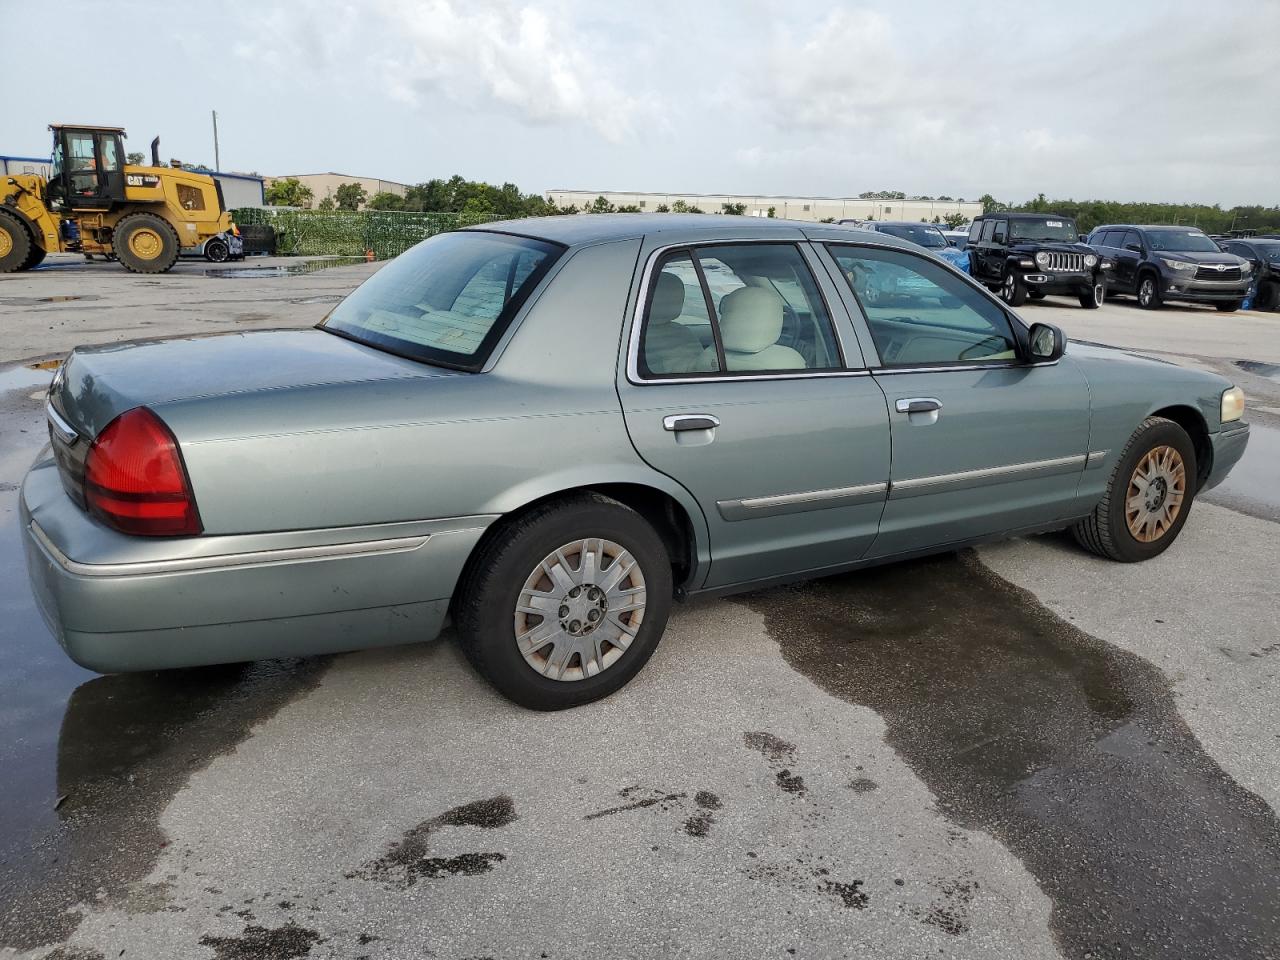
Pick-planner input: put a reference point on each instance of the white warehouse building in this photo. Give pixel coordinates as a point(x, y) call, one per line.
point(789, 208)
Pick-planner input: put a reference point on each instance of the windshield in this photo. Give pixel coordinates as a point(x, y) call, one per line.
point(447, 300)
point(1181, 241)
point(923, 234)
point(1271, 251)
point(1050, 228)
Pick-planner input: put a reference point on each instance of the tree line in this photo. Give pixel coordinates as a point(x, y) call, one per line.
point(1091, 213)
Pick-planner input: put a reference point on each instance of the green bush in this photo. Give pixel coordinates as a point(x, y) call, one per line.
point(344, 233)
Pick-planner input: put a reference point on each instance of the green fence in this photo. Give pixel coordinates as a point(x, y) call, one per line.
point(347, 233)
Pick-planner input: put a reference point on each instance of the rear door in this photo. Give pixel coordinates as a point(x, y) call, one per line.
point(983, 443)
point(1127, 259)
point(744, 385)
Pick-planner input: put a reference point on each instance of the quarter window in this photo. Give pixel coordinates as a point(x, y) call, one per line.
point(747, 308)
point(920, 314)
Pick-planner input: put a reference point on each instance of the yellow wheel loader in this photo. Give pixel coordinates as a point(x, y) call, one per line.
point(94, 202)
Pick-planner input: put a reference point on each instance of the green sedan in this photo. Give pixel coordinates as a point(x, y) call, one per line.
point(547, 430)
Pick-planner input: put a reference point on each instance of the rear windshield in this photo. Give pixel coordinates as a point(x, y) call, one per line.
point(1181, 241)
point(923, 234)
point(447, 300)
point(1050, 228)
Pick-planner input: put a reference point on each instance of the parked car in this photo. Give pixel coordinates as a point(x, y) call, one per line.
point(925, 235)
point(1023, 255)
point(219, 248)
point(547, 429)
point(957, 238)
point(1263, 254)
point(1162, 263)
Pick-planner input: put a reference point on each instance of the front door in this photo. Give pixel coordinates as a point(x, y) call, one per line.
point(983, 443)
point(738, 388)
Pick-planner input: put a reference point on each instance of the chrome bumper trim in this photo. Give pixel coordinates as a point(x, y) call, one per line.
point(331, 551)
point(65, 431)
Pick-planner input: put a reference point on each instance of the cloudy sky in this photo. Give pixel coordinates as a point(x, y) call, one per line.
point(1122, 99)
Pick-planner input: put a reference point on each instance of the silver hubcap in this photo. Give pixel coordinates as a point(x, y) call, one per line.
point(1099, 294)
point(1008, 287)
point(1145, 294)
point(580, 609)
point(1155, 495)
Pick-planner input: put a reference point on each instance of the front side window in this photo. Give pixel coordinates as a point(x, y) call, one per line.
point(447, 300)
point(1052, 229)
point(1001, 234)
point(920, 314)
point(746, 308)
point(1181, 241)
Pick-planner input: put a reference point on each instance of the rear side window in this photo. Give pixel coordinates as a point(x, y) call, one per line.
point(726, 309)
point(988, 230)
point(448, 300)
point(975, 230)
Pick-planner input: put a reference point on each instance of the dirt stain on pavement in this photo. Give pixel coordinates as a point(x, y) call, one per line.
point(263, 943)
point(406, 861)
point(1069, 751)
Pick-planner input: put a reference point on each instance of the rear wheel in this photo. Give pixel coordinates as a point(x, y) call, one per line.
point(1149, 292)
point(1012, 290)
point(1148, 497)
point(1229, 306)
point(567, 604)
point(1092, 298)
point(145, 243)
point(15, 244)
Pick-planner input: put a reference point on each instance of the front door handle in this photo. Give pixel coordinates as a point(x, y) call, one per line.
point(690, 421)
point(919, 405)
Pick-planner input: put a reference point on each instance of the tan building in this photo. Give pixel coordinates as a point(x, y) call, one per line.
point(326, 184)
point(789, 208)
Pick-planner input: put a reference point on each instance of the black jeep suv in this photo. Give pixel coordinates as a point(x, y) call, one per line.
point(1159, 263)
point(1024, 255)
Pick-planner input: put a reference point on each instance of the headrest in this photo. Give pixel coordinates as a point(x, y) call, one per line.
point(668, 299)
point(750, 319)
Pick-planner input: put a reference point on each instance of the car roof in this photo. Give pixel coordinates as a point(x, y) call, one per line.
point(903, 223)
point(1146, 226)
point(576, 230)
point(1021, 216)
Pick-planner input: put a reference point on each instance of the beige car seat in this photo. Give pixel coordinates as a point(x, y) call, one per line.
point(669, 347)
point(750, 324)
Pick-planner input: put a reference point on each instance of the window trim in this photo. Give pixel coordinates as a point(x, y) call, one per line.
point(1017, 326)
point(640, 316)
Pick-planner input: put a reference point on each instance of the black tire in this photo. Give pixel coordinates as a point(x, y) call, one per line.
point(35, 257)
point(1036, 295)
point(1012, 290)
point(1106, 531)
point(1230, 306)
point(217, 251)
point(487, 597)
point(1268, 296)
point(1092, 298)
point(1149, 292)
point(162, 236)
point(15, 240)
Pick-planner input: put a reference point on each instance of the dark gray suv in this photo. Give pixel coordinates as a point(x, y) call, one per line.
point(1162, 263)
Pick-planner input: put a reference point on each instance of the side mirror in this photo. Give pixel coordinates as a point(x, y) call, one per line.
point(1047, 342)
point(1135, 247)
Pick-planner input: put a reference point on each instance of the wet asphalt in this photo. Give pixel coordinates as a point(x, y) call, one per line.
point(1070, 751)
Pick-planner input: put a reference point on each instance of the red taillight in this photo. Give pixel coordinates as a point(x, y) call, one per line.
point(135, 480)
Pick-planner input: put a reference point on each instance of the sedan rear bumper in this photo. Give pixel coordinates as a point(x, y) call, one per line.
point(118, 603)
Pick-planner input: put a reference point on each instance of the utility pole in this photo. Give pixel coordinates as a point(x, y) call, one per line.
point(217, 161)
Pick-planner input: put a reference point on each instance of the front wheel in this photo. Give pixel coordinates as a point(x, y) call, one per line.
point(1149, 293)
point(1148, 496)
point(1092, 299)
point(217, 251)
point(1229, 306)
point(567, 604)
point(1013, 291)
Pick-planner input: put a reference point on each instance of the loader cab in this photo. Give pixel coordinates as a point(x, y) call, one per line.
point(88, 167)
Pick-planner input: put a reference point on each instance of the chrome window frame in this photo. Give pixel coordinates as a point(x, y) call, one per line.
point(638, 318)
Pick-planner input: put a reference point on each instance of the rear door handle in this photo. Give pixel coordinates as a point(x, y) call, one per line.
point(919, 405)
point(690, 421)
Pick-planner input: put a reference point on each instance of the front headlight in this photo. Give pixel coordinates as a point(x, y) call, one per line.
point(1177, 264)
point(1090, 260)
point(1108, 265)
point(1245, 267)
point(1232, 404)
point(1042, 259)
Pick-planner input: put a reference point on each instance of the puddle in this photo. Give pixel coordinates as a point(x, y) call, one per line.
point(24, 378)
point(1251, 485)
point(324, 298)
point(284, 270)
point(1269, 370)
point(36, 301)
point(1069, 751)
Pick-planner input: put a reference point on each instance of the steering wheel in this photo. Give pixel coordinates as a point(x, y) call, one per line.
point(984, 346)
